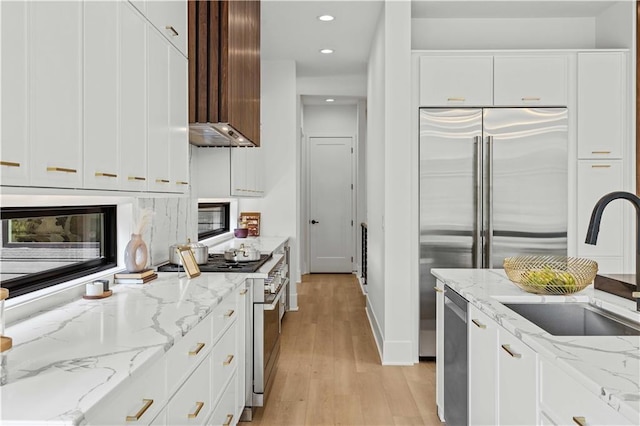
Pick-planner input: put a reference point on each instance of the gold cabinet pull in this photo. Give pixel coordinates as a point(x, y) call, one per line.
point(61, 169)
point(510, 351)
point(173, 30)
point(181, 182)
point(229, 313)
point(456, 99)
point(140, 413)
point(439, 290)
point(199, 406)
point(228, 360)
point(111, 175)
point(197, 350)
point(531, 98)
point(162, 181)
point(479, 324)
point(9, 164)
point(601, 152)
point(579, 420)
point(243, 292)
point(600, 166)
point(229, 419)
point(137, 178)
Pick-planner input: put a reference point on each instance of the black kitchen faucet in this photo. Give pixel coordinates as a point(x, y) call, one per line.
point(594, 228)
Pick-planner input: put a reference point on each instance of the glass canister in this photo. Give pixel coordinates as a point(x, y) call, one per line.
point(5, 342)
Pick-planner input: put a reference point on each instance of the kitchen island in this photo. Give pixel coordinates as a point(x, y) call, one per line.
point(69, 362)
point(607, 368)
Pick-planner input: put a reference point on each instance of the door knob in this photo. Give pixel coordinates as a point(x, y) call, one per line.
point(313, 221)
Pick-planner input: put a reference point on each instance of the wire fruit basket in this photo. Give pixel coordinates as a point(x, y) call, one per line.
point(555, 275)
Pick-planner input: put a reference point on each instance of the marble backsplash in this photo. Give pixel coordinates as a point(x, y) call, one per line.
point(174, 220)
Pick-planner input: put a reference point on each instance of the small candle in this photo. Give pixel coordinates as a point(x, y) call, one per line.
point(94, 289)
point(105, 284)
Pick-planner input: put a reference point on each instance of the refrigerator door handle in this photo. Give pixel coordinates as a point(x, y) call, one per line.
point(489, 236)
point(477, 226)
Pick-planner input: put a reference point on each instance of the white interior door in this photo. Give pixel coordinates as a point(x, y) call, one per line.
point(330, 206)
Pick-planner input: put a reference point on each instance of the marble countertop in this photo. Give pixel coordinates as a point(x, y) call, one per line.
point(266, 245)
point(608, 366)
point(65, 361)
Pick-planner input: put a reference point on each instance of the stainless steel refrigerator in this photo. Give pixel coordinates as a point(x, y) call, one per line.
point(493, 184)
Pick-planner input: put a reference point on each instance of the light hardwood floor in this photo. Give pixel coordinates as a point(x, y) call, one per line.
point(330, 372)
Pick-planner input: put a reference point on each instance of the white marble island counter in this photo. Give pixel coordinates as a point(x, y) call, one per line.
point(608, 366)
point(66, 360)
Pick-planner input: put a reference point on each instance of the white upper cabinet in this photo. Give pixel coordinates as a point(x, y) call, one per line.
point(456, 80)
point(178, 122)
point(170, 18)
point(601, 104)
point(56, 93)
point(14, 134)
point(133, 100)
point(101, 95)
point(530, 80)
point(239, 172)
point(158, 113)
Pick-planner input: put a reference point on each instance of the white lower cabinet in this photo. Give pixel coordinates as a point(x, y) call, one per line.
point(517, 381)
point(440, 348)
point(191, 405)
point(224, 414)
point(563, 401)
point(483, 368)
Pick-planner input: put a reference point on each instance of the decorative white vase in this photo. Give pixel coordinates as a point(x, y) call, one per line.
point(135, 254)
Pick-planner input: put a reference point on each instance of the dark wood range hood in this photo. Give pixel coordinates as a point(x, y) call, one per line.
point(224, 73)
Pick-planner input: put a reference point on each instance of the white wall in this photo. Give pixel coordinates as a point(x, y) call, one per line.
point(514, 33)
point(279, 206)
point(343, 85)
point(375, 172)
point(361, 181)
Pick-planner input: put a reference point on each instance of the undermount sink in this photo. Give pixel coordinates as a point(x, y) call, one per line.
point(574, 319)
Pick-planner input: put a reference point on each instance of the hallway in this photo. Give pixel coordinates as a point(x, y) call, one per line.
point(330, 372)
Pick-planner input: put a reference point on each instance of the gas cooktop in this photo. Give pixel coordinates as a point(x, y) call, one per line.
point(217, 263)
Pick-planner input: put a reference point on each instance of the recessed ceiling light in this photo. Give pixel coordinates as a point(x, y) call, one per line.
point(330, 100)
point(326, 18)
point(326, 51)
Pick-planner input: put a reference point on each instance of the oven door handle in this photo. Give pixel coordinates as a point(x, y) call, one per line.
point(273, 305)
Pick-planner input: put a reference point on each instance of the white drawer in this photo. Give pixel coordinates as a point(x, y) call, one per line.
point(567, 402)
point(137, 402)
point(188, 352)
point(224, 359)
point(191, 405)
point(224, 314)
point(224, 413)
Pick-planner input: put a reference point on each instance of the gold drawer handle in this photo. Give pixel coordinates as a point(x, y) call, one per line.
point(173, 30)
point(61, 169)
point(243, 292)
point(136, 178)
point(181, 182)
point(600, 166)
point(111, 175)
point(531, 98)
point(199, 406)
point(197, 350)
point(9, 164)
point(510, 351)
point(162, 181)
point(439, 290)
point(456, 99)
point(579, 420)
point(229, 313)
point(228, 360)
point(229, 419)
point(479, 324)
point(601, 152)
point(145, 407)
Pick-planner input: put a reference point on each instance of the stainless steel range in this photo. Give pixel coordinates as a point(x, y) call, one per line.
point(217, 263)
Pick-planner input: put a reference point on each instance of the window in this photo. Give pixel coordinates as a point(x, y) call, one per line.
point(43, 246)
point(213, 219)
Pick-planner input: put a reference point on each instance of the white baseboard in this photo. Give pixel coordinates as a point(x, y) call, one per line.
point(375, 328)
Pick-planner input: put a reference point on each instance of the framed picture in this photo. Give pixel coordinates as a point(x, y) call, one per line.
point(189, 262)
